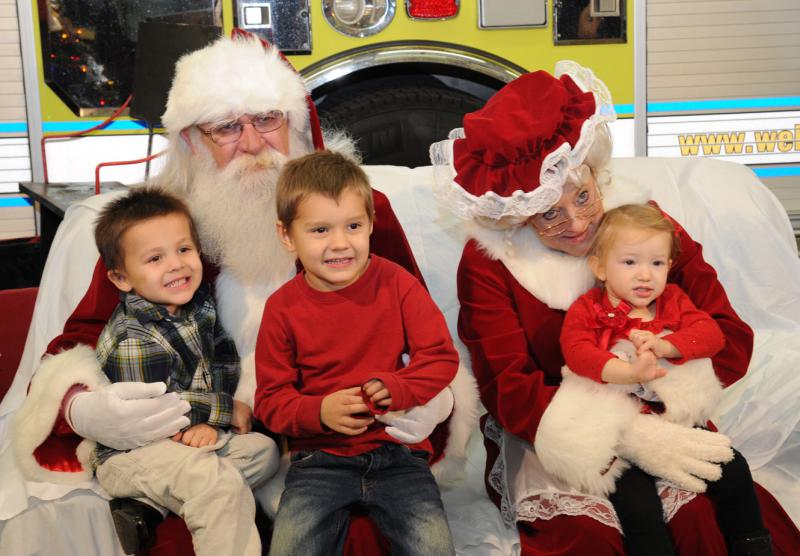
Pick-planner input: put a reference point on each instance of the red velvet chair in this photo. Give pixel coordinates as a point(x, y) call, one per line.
point(16, 308)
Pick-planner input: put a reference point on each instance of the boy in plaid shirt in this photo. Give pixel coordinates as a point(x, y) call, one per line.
point(165, 329)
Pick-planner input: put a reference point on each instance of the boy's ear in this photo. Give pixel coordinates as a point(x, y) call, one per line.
point(372, 223)
point(188, 140)
point(285, 237)
point(597, 268)
point(119, 280)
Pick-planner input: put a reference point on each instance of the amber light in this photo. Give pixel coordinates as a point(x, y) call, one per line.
point(432, 9)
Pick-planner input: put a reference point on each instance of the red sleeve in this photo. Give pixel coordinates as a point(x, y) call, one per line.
point(278, 403)
point(433, 359)
point(579, 343)
point(699, 281)
point(512, 386)
point(698, 335)
point(388, 239)
point(90, 316)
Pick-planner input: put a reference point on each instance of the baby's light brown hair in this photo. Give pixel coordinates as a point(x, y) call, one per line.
point(142, 203)
point(324, 173)
point(643, 217)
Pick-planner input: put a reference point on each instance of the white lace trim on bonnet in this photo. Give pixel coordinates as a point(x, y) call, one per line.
point(555, 167)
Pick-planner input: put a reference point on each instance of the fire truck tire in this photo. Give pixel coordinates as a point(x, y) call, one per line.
point(396, 125)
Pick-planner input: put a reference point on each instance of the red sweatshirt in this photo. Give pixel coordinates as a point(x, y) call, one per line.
point(314, 343)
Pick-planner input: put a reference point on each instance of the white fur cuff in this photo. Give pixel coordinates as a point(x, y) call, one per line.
point(579, 432)
point(34, 420)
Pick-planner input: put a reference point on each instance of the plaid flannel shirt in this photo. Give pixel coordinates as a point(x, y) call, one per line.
point(190, 351)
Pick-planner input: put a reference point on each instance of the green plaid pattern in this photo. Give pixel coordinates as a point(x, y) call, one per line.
point(190, 351)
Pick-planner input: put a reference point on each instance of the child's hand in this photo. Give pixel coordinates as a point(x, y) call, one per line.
point(198, 436)
point(644, 369)
point(644, 340)
point(241, 421)
point(338, 410)
point(377, 393)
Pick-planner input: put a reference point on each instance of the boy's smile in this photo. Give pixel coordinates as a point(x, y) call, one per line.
point(161, 262)
point(331, 239)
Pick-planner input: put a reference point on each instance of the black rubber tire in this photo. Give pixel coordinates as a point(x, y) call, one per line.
point(397, 124)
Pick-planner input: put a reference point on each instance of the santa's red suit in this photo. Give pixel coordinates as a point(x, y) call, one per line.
point(45, 448)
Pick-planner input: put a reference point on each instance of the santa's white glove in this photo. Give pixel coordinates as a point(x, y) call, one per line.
point(684, 456)
point(127, 415)
point(417, 424)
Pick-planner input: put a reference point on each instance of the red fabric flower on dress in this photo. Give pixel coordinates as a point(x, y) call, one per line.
point(614, 322)
point(615, 319)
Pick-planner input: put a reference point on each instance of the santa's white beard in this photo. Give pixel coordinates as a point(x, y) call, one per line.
point(234, 211)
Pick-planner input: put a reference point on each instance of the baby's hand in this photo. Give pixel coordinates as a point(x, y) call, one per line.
point(241, 420)
point(198, 436)
point(377, 393)
point(339, 409)
point(644, 369)
point(644, 340)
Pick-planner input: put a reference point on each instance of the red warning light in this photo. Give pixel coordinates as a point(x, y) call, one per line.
point(432, 9)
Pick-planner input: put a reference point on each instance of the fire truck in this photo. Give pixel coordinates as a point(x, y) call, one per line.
point(687, 79)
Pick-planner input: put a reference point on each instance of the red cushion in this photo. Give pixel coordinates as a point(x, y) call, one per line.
point(172, 539)
point(16, 306)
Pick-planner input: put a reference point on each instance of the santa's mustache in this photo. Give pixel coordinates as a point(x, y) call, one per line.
point(248, 164)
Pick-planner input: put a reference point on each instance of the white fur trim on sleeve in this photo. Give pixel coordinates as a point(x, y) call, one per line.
point(34, 420)
point(463, 421)
point(690, 391)
point(579, 432)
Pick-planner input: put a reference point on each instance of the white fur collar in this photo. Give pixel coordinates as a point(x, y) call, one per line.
point(552, 277)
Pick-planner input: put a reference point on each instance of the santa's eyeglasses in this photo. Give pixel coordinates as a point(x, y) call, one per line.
point(226, 133)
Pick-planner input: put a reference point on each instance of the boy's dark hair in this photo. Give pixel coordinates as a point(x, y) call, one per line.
point(325, 173)
point(142, 203)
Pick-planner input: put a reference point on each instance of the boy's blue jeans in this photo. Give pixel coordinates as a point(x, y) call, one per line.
point(394, 485)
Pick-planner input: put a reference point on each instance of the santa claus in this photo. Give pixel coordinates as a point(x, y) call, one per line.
point(223, 159)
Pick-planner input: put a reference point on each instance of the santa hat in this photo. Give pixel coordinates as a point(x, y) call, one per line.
point(513, 156)
point(236, 76)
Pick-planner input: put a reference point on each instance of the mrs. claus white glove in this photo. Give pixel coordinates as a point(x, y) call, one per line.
point(684, 456)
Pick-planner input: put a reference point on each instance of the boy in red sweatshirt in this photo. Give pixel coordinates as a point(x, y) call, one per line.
point(329, 357)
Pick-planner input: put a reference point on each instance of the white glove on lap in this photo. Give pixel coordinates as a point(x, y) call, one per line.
point(417, 424)
point(127, 415)
point(684, 456)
